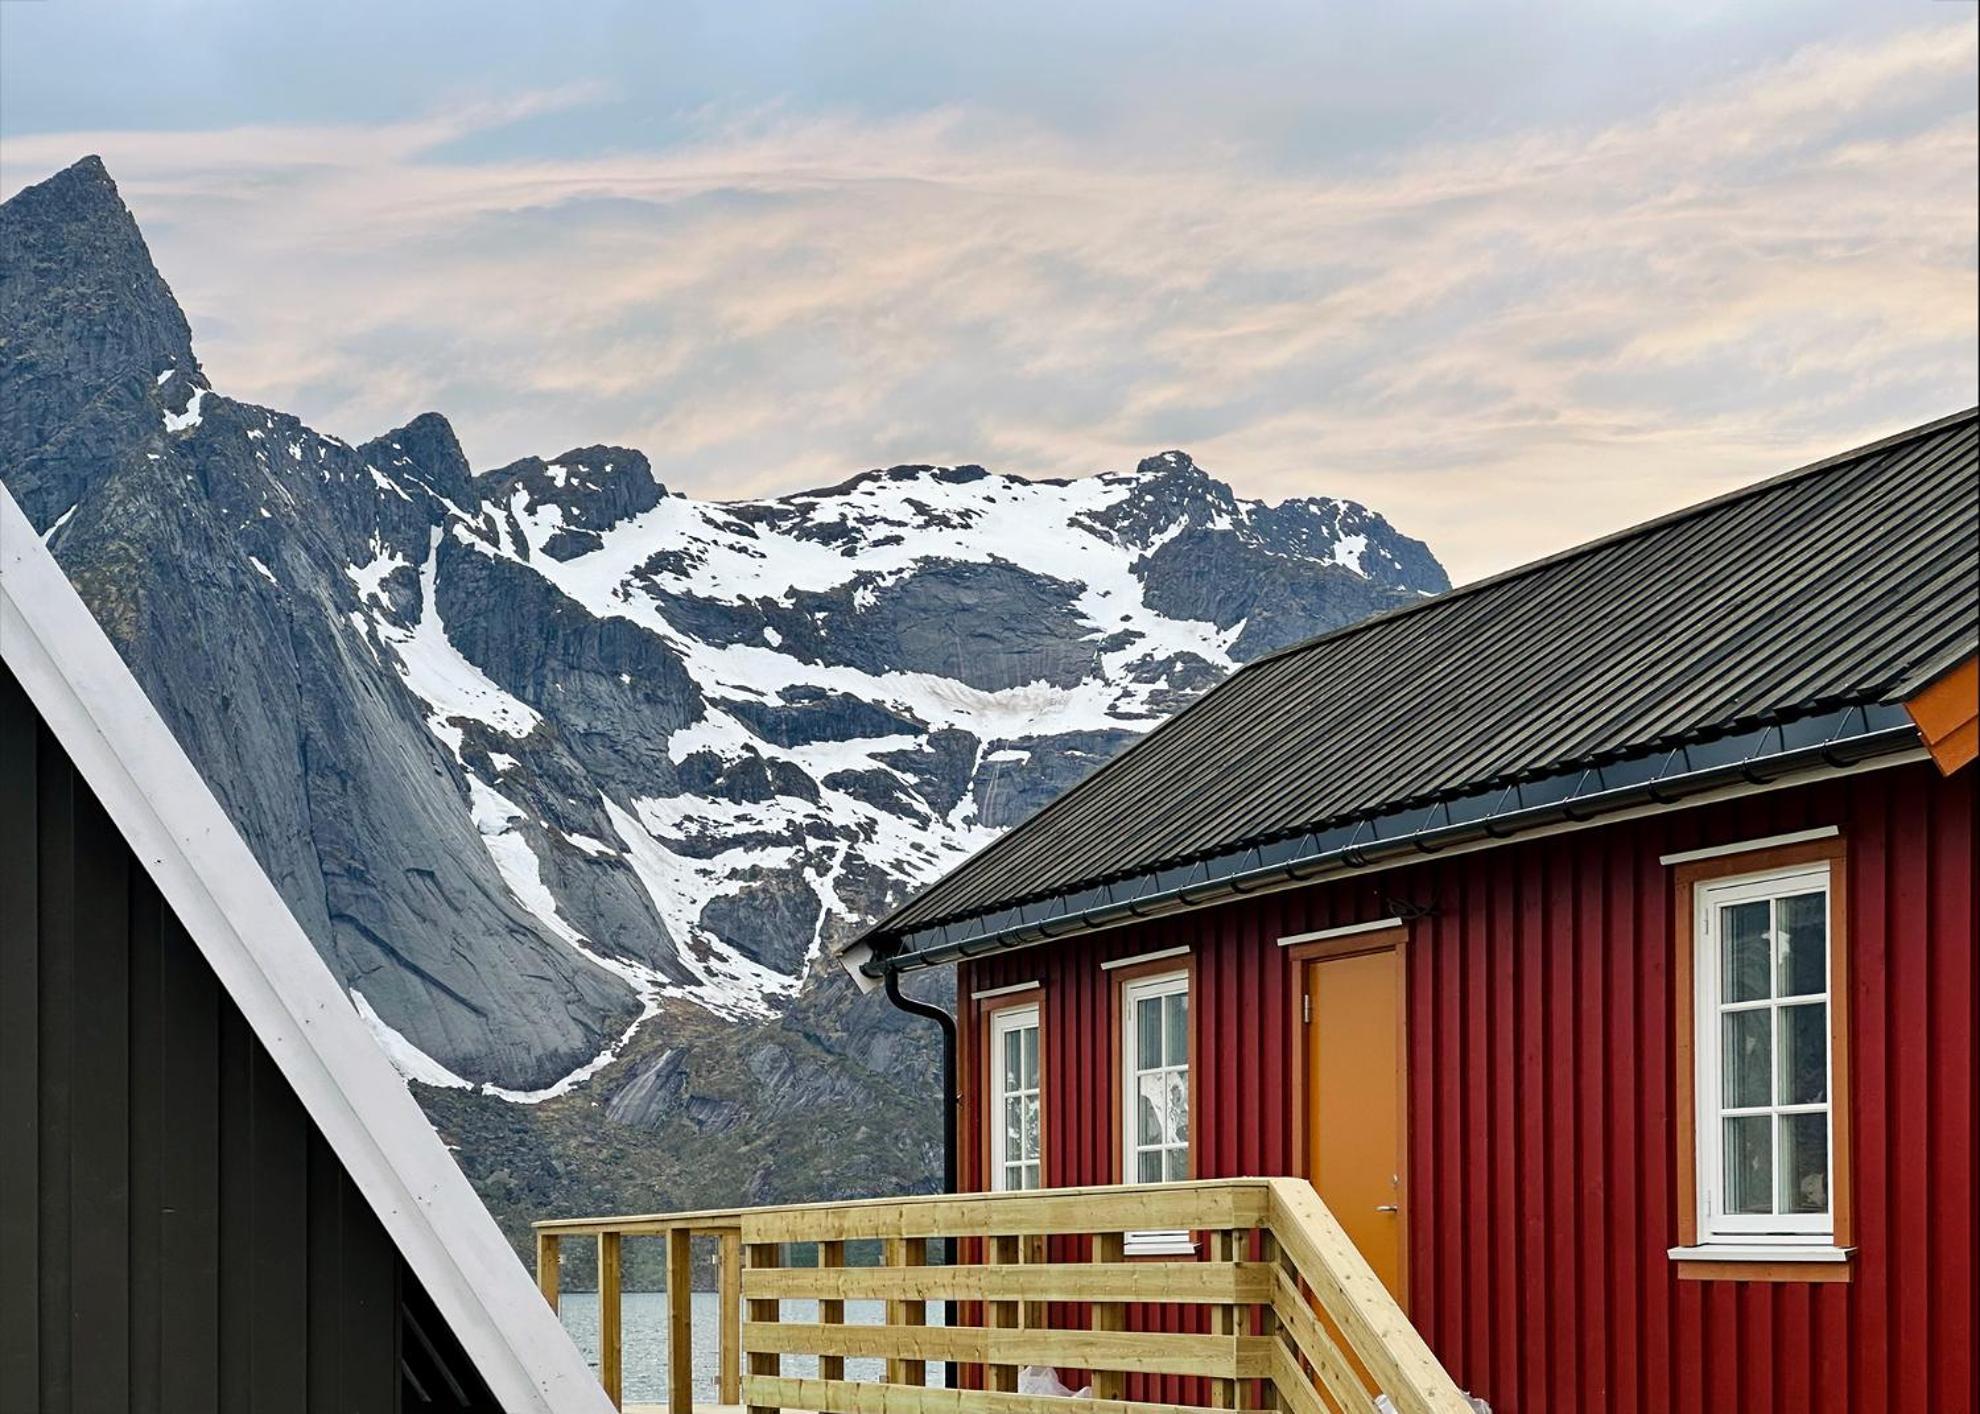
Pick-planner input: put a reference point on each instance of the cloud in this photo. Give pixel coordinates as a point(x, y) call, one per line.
point(1506, 344)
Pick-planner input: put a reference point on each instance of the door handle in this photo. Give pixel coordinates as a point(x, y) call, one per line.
point(1385, 1207)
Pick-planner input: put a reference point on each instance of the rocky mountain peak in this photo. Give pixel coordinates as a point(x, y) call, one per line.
point(426, 452)
point(573, 497)
point(89, 331)
point(1170, 463)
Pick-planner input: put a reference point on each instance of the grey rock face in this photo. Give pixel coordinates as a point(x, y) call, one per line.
point(591, 489)
point(548, 758)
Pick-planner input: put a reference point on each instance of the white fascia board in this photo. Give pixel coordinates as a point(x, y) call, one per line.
point(211, 880)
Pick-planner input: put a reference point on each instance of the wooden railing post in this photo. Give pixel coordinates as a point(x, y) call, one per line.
point(549, 1274)
point(907, 1252)
point(680, 1320)
point(1268, 1316)
point(763, 1256)
point(728, 1300)
point(1225, 1394)
point(1002, 1315)
point(1034, 1251)
point(831, 1312)
point(1109, 1315)
point(611, 1350)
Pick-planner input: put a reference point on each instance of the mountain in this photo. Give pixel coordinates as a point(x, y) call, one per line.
point(573, 778)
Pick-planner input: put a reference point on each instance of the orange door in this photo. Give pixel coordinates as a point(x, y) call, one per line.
point(1354, 1097)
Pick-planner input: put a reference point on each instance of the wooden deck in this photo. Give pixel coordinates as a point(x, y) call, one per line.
point(1288, 1315)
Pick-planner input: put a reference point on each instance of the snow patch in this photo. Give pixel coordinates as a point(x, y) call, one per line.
point(190, 418)
point(409, 1060)
point(439, 674)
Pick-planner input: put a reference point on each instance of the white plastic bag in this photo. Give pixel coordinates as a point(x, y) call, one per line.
point(1384, 1405)
point(1043, 1379)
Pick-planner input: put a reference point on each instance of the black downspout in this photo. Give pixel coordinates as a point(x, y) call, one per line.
point(952, 1102)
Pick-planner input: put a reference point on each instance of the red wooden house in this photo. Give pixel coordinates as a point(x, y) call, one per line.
point(1598, 938)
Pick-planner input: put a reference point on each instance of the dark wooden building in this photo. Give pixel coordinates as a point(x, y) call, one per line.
point(215, 1193)
point(1598, 939)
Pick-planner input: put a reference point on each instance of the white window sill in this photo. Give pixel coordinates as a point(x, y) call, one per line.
point(1761, 1252)
point(1157, 1244)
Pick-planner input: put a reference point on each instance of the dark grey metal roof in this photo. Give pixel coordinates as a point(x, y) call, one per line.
point(1614, 664)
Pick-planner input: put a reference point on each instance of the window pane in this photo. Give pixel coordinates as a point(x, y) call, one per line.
point(1805, 1163)
point(1175, 1017)
point(1149, 1168)
point(1030, 1143)
point(1177, 1165)
point(1749, 1164)
point(1745, 965)
point(1178, 1083)
point(1013, 1128)
point(1148, 1018)
point(1013, 1060)
point(1034, 1176)
point(1149, 1106)
point(1804, 928)
point(1030, 1070)
point(1805, 1054)
point(1747, 1058)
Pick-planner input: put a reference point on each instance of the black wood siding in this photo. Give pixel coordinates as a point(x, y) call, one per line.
point(176, 1236)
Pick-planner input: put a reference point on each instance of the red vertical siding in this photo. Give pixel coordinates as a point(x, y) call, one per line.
point(1542, 1136)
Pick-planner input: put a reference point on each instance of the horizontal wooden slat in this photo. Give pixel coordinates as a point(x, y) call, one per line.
point(644, 1224)
point(1221, 1283)
point(1144, 1352)
point(1131, 1208)
point(867, 1397)
point(1322, 1352)
point(968, 1343)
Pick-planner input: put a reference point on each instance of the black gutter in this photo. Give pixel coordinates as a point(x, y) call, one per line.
point(1756, 769)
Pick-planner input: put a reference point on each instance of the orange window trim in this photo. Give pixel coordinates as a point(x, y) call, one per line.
point(1117, 1024)
point(1687, 877)
point(986, 1062)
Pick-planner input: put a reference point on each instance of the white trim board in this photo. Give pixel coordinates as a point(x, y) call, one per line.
point(1720, 851)
point(1346, 930)
point(988, 992)
point(1141, 957)
point(266, 963)
point(1755, 1252)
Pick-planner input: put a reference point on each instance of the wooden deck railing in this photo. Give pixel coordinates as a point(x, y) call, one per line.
point(679, 1230)
point(1292, 1317)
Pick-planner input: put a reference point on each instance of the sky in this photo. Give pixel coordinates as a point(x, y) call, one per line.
point(1514, 275)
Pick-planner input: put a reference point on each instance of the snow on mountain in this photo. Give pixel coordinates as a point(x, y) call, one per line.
point(871, 663)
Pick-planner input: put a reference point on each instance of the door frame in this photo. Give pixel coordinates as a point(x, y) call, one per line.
point(1300, 958)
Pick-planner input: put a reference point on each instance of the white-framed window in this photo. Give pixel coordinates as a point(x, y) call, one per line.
point(1155, 1079)
point(1016, 1140)
point(1765, 1071)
